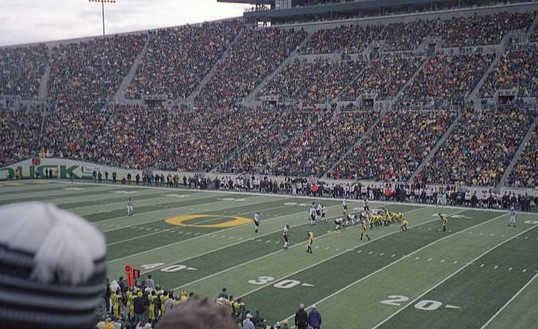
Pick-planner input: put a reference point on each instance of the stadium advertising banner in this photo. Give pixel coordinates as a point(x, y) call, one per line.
point(56, 168)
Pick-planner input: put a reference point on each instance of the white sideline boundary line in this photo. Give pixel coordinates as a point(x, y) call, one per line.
point(287, 196)
point(190, 240)
point(201, 222)
point(450, 276)
point(151, 212)
point(509, 301)
point(279, 251)
point(397, 261)
point(224, 230)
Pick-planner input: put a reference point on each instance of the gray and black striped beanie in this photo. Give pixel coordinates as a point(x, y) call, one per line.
point(52, 268)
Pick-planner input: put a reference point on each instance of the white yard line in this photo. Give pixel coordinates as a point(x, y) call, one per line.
point(203, 235)
point(448, 277)
point(201, 222)
point(508, 302)
point(312, 265)
point(397, 261)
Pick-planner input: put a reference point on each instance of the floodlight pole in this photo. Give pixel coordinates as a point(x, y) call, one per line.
point(103, 10)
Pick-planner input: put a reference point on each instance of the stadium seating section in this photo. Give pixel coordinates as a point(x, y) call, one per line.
point(287, 101)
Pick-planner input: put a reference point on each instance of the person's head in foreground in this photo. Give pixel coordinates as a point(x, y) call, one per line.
point(197, 314)
point(52, 268)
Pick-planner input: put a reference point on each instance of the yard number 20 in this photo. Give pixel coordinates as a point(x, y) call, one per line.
point(424, 305)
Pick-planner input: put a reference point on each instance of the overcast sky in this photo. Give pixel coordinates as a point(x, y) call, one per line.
point(27, 21)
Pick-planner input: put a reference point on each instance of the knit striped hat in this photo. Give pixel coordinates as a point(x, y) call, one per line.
point(52, 268)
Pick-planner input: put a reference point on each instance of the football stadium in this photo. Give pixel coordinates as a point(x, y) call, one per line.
point(310, 164)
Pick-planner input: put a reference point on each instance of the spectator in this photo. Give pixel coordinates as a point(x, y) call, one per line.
point(301, 318)
point(383, 76)
point(149, 282)
point(314, 318)
point(480, 30)
point(525, 171)
point(90, 72)
point(243, 70)
point(447, 78)
point(22, 69)
point(517, 69)
point(382, 156)
point(470, 157)
point(178, 58)
point(63, 264)
point(197, 314)
point(247, 323)
point(343, 39)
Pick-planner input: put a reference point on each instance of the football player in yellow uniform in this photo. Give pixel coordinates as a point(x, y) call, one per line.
point(116, 304)
point(183, 296)
point(403, 224)
point(130, 304)
point(364, 230)
point(375, 220)
point(397, 216)
point(444, 221)
point(151, 311)
point(387, 217)
point(310, 241)
point(164, 297)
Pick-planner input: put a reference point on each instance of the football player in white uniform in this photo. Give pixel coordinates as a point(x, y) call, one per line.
point(256, 222)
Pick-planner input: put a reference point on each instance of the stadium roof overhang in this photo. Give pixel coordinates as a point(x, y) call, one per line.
point(250, 2)
point(328, 8)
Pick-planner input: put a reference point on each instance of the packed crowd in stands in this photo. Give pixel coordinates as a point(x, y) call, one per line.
point(384, 76)
point(395, 147)
point(19, 134)
point(314, 82)
point(22, 69)
point(177, 59)
point(329, 137)
point(345, 39)
point(525, 172)
point(81, 124)
point(201, 140)
point(476, 30)
point(533, 37)
point(479, 30)
point(282, 126)
point(517, 69)
point(255, 54)
point(405, 36)
point(448, 78)
point(479, 149)
point(120, 135)
point(92, 71)
point(295, 80)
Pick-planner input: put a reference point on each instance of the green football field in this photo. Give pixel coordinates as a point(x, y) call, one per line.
point(479, 274)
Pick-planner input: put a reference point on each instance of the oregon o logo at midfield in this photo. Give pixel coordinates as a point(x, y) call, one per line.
point(184, 219)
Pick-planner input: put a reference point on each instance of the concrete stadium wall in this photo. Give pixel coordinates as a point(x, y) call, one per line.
point(62, 168)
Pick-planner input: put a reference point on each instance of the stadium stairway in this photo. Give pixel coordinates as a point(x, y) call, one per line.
point(412, 79)
point(499, 51)
point(357, 77)
point(506, 175)
point(191, 98)
point(122, 90)
point(440, 142)
point(44, 82)
point(217, 169)
point(533, 26)
point(358, 142)
point(279, 68)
